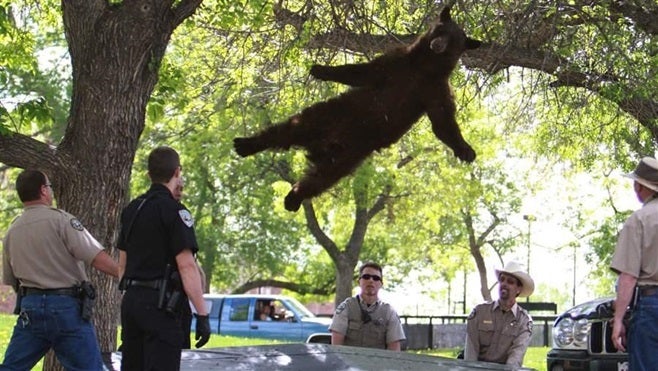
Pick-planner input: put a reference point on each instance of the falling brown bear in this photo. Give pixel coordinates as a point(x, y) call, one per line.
point(388, 95)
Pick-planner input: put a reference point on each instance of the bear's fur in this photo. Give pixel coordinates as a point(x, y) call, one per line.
point(388, 95)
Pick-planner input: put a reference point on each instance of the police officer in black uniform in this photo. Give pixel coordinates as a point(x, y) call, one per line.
point(156, 258)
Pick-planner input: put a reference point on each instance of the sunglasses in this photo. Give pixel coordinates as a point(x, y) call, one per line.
point(369, 276)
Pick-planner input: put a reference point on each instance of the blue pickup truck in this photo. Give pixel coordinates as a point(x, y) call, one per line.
point(262, 316)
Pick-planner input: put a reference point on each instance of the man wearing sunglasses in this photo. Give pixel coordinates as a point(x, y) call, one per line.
point(364, 320)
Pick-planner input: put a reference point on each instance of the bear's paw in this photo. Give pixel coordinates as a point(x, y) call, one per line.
point(292, 202)
point(466, 153)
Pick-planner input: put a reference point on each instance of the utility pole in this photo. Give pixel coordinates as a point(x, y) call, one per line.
point(464, 297)
point(573, 296)
point(529, 218)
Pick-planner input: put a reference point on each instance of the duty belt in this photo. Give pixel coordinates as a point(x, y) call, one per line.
point(648, 290)
point(149, 284)
point(69, 291)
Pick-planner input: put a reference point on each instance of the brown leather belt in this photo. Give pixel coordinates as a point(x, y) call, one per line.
point(69, 291)
point(650, 290)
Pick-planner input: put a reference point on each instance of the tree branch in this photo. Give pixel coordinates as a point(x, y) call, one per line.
point(366, 44)
point(483, 236)
point(292, 286)
point(184, 10)
point(72, 10)
point(21, 151)
point(285, 17)
point(314, 227)
point(645, 18)
point(527, 44)
point(282, 168)
point(379, 203)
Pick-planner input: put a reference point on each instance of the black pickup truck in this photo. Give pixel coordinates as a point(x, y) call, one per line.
point(581, 339)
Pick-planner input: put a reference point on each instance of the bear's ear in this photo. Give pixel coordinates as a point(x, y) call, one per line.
point(472, 43)
point(439, 44)
point(445, 14)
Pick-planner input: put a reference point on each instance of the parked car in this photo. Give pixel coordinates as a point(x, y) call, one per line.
point(314, 357)
point(263, 316)
point(581, 339)
point(319, 338)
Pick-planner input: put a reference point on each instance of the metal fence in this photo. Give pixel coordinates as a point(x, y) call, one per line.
point(449, 331)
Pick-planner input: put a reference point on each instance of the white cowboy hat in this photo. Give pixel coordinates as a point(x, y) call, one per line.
point(515, 269)
point(646, 173)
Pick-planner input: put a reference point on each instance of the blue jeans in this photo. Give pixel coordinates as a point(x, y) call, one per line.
point(52, 321)
point(643, 335)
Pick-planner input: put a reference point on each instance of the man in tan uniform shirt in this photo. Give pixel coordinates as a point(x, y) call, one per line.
point(636, 262)
point(500, 331)
point(364, 320)
point(45, 252)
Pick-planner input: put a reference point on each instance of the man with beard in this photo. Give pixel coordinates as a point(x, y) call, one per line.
point(364, 320)
point(500, 331)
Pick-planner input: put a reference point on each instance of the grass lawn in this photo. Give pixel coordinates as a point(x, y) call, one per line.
point(534, 358)
point(7, 322)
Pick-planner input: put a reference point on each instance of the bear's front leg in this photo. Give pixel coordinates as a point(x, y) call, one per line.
point(465, 153)
point(441, 113)
point(364, 74)
point(247, 146)
point(456, 142)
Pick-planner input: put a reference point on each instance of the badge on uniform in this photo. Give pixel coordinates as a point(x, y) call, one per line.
point(186, 217)
point(75, 223)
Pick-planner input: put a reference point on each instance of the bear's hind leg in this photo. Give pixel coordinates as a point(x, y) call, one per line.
point(320, 178)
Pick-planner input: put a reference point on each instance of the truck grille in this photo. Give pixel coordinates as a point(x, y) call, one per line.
point(599, 340)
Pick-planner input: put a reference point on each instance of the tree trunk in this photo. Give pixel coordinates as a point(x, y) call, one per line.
point(115, 50)
point(482, 270)
point(344, 279)
point(345, 261)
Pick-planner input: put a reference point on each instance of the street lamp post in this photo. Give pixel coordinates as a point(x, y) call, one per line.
point(573, 294)
point(529, 218)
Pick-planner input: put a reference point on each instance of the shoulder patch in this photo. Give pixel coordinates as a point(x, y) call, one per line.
point(75, 223)
point(341, 307)
point(186, 217)
point(472, 315)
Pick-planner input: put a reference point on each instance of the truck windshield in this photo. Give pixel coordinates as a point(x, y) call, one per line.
point(300, 308)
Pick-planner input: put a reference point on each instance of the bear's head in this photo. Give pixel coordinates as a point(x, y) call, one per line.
point(447, 39)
